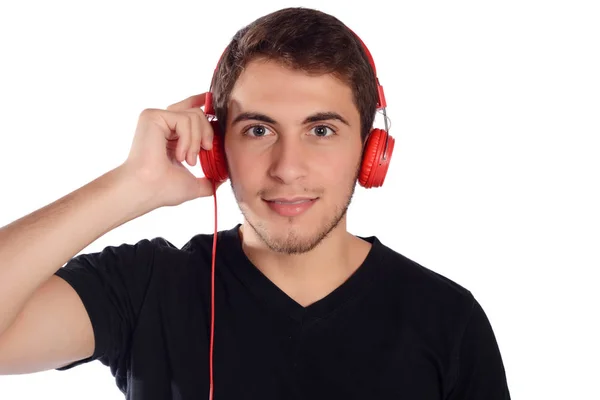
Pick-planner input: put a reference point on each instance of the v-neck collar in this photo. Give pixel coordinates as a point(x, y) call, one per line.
point(230, 247)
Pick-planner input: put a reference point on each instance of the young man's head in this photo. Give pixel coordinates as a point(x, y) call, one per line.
point(296, 97)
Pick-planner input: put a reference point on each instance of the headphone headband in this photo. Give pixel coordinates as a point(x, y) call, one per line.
point(381, 103)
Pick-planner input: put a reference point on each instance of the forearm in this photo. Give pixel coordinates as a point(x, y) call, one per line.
point(35, 246)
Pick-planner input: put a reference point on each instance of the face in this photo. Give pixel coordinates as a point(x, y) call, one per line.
point(293, 149)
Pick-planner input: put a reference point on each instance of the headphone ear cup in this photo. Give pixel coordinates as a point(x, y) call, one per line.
point(374, 168)
point(213, 161)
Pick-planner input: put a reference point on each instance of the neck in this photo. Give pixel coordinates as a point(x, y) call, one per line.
point(309, 276)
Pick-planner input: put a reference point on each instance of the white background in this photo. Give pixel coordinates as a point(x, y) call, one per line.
point(495, 108)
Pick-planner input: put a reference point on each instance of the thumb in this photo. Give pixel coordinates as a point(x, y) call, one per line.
point(205, 186)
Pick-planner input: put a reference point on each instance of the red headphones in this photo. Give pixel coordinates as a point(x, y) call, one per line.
point(375, 160)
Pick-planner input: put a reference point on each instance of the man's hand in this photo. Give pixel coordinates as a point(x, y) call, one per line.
point(162, 141)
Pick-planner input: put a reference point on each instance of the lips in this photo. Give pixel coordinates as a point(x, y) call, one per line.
point(291, 200)
point(291, 206)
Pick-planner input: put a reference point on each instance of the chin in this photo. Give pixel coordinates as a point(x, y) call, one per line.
point(296, 234)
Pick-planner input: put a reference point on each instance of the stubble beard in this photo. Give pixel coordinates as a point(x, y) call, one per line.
point(293, 242)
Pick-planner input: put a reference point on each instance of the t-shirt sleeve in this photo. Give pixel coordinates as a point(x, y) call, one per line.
point(480, 369)
point(112, 285)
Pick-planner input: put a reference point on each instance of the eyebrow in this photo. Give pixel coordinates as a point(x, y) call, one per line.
point(320, 116)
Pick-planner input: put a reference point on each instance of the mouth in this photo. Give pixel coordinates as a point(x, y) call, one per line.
point(290, 200)
point(291, 207)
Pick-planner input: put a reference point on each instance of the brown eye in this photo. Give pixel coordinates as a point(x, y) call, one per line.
point(256, 131)
point(322, 131)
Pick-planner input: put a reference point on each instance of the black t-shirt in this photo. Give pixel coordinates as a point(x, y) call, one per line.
point(393, 330)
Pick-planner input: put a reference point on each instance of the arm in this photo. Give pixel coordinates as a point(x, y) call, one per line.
point(35, 246)
point(43, 321)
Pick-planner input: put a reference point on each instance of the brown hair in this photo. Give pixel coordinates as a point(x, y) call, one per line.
point(302, 39)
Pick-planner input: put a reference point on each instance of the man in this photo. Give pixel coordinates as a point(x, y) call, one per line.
point(303, 308)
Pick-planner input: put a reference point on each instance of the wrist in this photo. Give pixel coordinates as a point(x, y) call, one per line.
point(129, 195)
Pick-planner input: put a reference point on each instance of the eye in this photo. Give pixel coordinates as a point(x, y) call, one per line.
point(323, 130)
point(256, 131)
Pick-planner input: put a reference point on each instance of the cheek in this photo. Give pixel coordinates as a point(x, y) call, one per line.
point(338, 170)
point(244, 173)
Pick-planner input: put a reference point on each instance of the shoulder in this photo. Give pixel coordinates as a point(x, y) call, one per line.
point(196, 252)
point(444, 318)
point(421, 291)
point(412, 273)
point(162, 248)
point(146, 253)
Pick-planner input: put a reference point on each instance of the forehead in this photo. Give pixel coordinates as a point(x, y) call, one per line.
point(267, 86)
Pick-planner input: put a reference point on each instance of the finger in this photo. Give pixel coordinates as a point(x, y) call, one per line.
point(177, 130)
point(195, 137)
point(195, 101)
point(206, 130)
point(179, 127)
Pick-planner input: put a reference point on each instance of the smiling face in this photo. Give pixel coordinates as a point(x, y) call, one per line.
point(295, 138)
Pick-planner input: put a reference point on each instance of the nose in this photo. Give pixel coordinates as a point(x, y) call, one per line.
point(289, 161)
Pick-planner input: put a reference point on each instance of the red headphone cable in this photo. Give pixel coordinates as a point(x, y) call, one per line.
point(212, 291)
